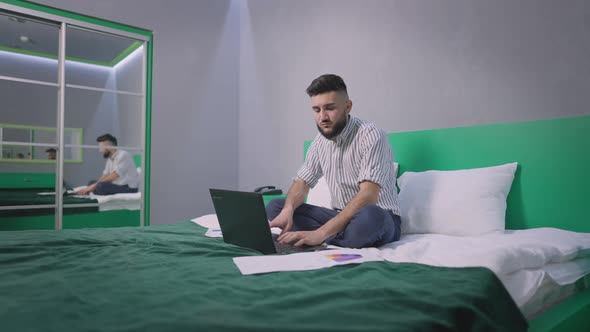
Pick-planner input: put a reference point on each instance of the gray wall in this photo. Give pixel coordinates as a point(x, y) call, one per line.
point(229, 107)
point(408, 64)
point(194, 100)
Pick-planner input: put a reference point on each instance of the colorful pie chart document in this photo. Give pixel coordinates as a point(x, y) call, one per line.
point(305, 261)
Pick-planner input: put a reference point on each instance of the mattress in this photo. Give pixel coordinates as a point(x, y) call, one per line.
point(118, 202)
point(550, 294)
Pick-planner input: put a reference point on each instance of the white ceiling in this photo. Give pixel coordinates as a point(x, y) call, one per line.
point(22, 33)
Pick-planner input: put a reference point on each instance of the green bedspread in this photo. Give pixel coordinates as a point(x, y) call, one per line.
point(172, 278)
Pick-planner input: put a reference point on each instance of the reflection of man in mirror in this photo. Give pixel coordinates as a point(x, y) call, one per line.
point(119, 175)
point(51, 153)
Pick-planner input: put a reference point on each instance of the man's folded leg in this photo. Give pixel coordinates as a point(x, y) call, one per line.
point(372, 226)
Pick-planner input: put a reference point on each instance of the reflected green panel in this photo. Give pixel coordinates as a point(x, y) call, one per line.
point(118, 218)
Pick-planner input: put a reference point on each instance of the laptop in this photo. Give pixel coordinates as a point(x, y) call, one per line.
point(243, 221)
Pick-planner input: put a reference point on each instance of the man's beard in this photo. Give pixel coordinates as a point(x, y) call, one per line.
point(107, 154)
point(336, 129)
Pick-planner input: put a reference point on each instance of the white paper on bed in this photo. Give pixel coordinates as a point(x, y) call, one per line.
point(305, 261)
point(207, 221)
point(213, 232)
point(210, 222)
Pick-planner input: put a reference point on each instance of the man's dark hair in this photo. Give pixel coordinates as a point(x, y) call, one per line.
point(51, 150)
point(326, 83)
point(107, 138)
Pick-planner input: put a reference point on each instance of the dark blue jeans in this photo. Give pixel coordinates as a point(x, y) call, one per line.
point(107, 188)
point(372, 226)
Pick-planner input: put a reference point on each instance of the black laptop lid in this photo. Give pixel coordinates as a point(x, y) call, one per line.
point(242, 218)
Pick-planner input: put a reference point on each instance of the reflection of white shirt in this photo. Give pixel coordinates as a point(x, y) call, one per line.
point(122, 163)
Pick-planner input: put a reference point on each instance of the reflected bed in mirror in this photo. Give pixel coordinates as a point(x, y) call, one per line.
point(34, 144)
point(27, 201)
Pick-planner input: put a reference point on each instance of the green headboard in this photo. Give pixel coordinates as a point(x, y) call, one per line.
point(552, 183)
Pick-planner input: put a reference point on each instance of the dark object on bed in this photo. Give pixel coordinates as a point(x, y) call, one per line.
point(172, 278)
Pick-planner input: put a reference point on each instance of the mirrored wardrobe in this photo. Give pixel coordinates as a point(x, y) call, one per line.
point(65, 80)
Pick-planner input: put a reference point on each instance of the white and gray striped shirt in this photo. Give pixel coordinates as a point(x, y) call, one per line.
point(359, 153)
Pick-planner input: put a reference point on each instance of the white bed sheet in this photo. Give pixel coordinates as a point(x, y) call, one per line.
point(537, 266)
point(129, 201)
point(522, 259)
point(501, 252)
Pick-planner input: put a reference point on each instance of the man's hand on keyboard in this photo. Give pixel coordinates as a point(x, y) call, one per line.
point(310, 238)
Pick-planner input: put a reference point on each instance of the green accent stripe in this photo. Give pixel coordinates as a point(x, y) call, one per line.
point(91, 62)
point(148, 131)
point(15, 126)
point(38, 161)
point(130, 49)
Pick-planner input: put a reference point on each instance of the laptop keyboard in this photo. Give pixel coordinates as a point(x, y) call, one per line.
point(282, 248)
point(286, 247)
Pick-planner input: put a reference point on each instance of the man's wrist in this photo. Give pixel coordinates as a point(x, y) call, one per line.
point(288, 209)
point(324, 234)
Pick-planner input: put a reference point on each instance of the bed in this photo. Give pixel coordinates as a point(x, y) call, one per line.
point(551, 187)
point(173, 277)
point(23, 189)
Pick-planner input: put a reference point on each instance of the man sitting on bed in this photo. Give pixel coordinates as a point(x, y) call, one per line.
point(119, 175)
point(356, 159)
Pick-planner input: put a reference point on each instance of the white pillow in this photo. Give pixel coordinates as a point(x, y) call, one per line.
point(320, 194)
point(464, 202)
